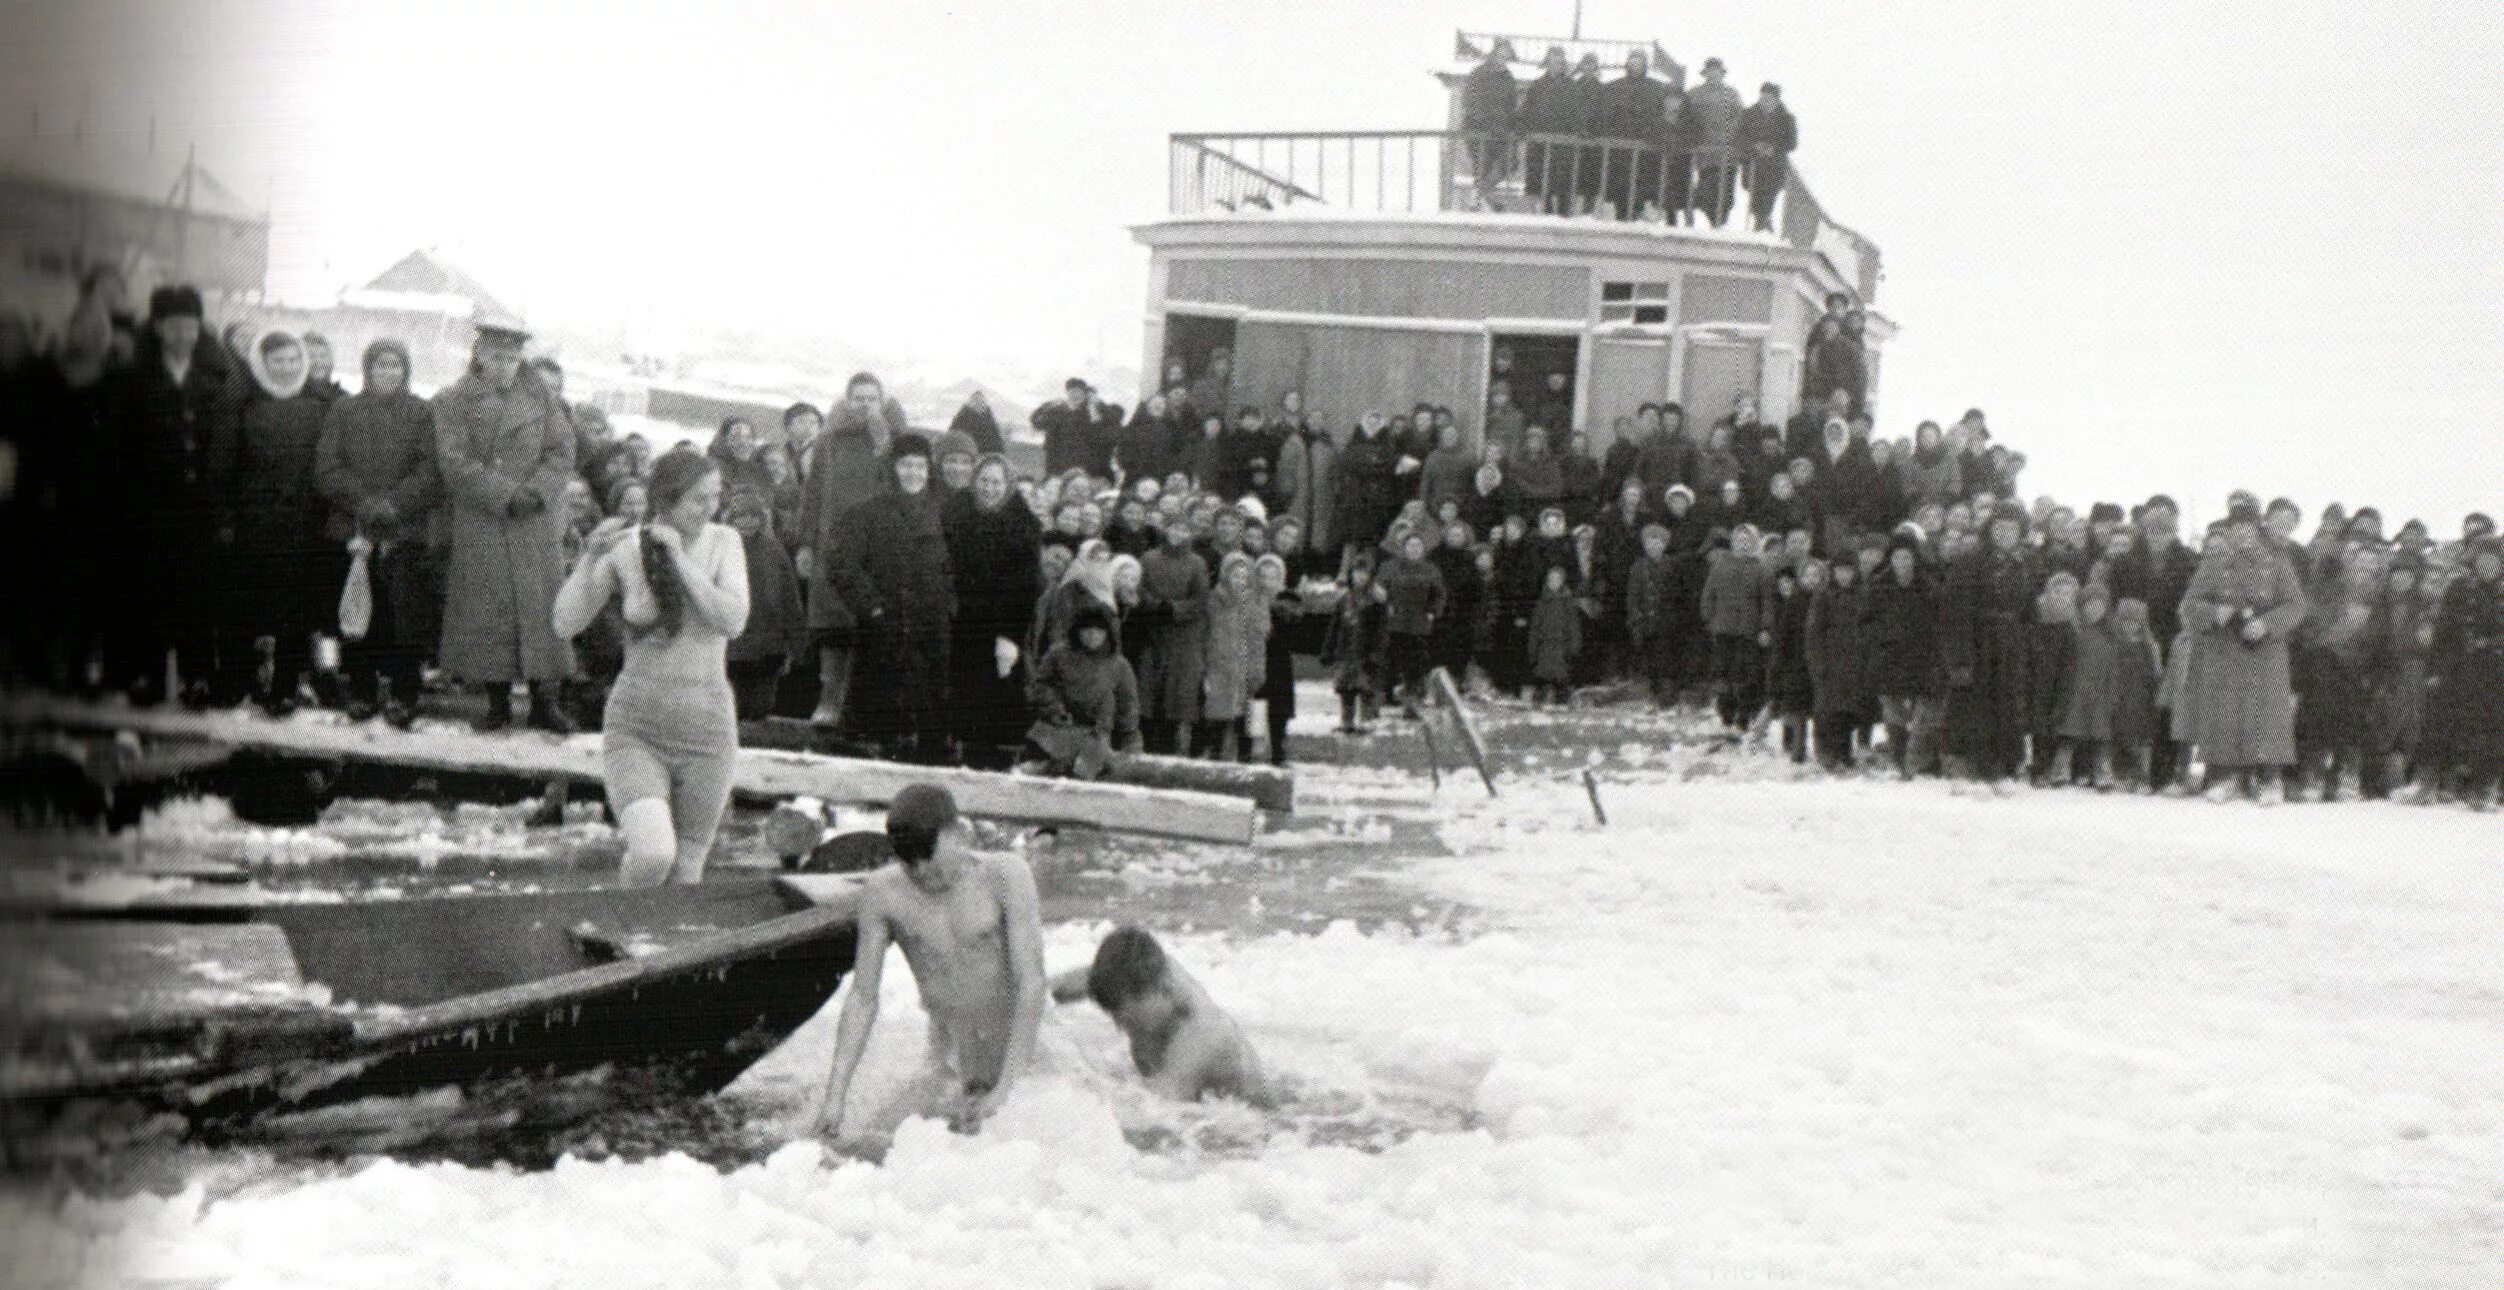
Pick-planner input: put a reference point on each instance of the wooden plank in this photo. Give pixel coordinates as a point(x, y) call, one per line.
point(1272, 788)
point(1477, 747)
point(762, 774)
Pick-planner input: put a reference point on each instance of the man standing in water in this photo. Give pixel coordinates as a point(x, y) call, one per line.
point(971, 930)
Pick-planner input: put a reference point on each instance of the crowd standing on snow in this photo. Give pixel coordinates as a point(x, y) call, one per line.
point(213, 512)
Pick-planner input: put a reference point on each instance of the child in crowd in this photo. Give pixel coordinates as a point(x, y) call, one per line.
point(2134, 730)
point(1651, 627)
point(1789, 686)
point(2052, 651)
point(1354, 647)
point(1555, 638)
point(1413, 597)
point(1732, 605)
point(778, 621)
point(1237, 658)
point(2085, 722)
point(1286, 613)
point(1086, 701)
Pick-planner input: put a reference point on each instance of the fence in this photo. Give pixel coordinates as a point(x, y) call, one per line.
point(1412, 171)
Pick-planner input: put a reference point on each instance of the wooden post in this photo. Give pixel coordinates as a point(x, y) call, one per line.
point(1434, 759)
point(1476, 747)
point(1591, 785)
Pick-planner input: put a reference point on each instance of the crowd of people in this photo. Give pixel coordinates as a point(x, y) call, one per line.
point(224, 522)
point(1639, 146)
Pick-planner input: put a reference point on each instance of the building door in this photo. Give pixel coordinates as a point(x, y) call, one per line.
point(1540, 370)
point(1626, 373)
point(1192, 338)
point(1715, 371)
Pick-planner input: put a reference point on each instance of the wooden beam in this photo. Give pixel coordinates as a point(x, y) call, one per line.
point(1477, 747)
point(761, 774)
point(1272, 788)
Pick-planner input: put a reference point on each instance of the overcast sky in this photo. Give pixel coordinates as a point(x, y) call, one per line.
point(2180, 246)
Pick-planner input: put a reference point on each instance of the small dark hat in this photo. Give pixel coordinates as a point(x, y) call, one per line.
point(2243, 510)
point(909, 445)
point(2105, 512)
point(2156, 500)
point(177, 301)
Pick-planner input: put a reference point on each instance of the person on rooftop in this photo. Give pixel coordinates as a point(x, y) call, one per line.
point(1767, 136)
point(1551, 106)
point(1630, 111)
point(1715, 110)
point(1489, 100)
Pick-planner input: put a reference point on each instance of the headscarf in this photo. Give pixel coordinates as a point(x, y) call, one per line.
point(260, 367)
point(1093, 570)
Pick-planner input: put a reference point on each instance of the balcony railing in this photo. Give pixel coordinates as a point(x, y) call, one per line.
point(1413, 171)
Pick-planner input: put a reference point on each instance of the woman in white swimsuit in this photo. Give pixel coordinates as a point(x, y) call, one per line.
point(671, 729)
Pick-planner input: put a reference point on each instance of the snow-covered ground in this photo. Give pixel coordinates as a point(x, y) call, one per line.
point(1754, 1032)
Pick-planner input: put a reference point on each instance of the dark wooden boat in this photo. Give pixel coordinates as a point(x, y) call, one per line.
point(213, 1022)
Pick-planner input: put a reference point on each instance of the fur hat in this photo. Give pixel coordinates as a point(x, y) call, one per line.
point(909, 445)
point(956, 443)
point(175, 302)
point(2108, 512)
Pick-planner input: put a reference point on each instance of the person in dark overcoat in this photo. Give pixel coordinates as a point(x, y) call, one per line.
point(1173, 616)
point(1369, 483)
point(1489, 100)
point(166, 414)
point(1551, 105)
point(505, 450)
point(2466, 663)
point(376, 466)
point(994, 545)
point(893, 573)
point(1086, 701)
point(1767, 135)
point(1838, 661)
point(1988, 614)
point(1901, 643)
point(846, 466)
point(1078, 431)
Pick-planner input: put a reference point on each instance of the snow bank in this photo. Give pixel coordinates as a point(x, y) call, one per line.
point(1756, 1031)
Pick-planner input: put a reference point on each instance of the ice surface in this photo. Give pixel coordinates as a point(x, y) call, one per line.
point(1757, 1031)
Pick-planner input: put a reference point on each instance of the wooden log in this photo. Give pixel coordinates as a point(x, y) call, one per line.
point(1272, 788)
point(1477, 747)
point(761, 775)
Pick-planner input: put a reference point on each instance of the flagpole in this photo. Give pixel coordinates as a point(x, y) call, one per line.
point(1577, 19)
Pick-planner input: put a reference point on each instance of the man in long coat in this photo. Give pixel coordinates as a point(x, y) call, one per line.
point(892, 569)
point(2243, 605)
point(847, 466)
point(1307, 481)
point(505, 449)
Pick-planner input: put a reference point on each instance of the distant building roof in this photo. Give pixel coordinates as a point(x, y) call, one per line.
point(106, 166)
point(422, 274)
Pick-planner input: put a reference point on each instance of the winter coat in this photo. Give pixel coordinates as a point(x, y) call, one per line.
point(1838, 657)
point(2468, 664)
point(1086, 704)
point(2331, 664)
point(1715, 109)
point(980, 426)
point(778, 616)
point(2400, 692)
point(1505, 426)
point(1286, 624)
point(380, 447)
point(1148, 448)
point(2159, 579)
point(892, 569)
point(1555, 637)
point(496, 449)
point(1987, 619)
point(1464, 602)
point(1354, 646)
point(1489, 98)
point(1790, 680)
point(1554, 105)
point(995, 573)
point(1734, 588)
point(2242, 693)
point(1770, 126)
point(1629, 107)
point(1307, 479)
point(1173, 608)
point(1931, 477)
point(2051, 661)
point(1651, 616)
point(1236, 660)
point(2095, 683)
point(1901, 637)
point(1539, 481)
point(847, 466)
point(1080, 437)
point(1448, 475)
point(1369, 487)
point(1413, 595)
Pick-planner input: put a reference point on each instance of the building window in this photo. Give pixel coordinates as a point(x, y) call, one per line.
point(1641, 303)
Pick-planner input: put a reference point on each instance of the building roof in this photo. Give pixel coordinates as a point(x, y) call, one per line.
point(106, 166)
point(421, 274)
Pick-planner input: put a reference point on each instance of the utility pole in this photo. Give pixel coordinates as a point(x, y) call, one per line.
point(1577, 19)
